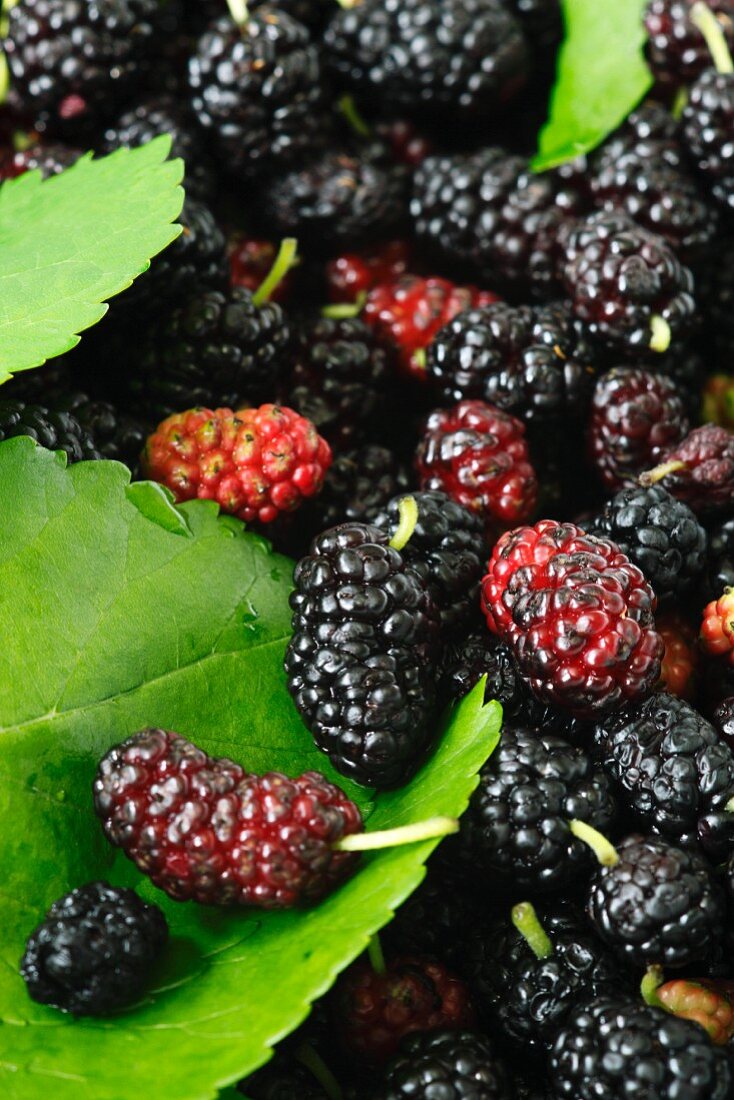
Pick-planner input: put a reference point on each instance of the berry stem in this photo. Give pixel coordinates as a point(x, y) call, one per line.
point(651, 477)
point(418, 358)
point(729, 807)
point(649, 986)
point(602, 848)
point(238, 11)
point(376, 954)
point(710, 28)
point(408, 513)
point(348, 108)
point(282, 264)
point(526, 921)
point(4, 78)
point(315, 1064)
point(342, 310)
point(679, 103)
point(429, 829)
point(661, 334)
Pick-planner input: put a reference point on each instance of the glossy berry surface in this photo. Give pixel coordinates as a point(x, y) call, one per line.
point(478, 456)
point(256, 463)
point(578, 614)
point(709, 1004)
point(408, 312)
point(93, 952)
point(202, 828)
point(375, 1011)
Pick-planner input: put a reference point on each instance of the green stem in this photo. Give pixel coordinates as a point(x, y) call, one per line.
point(603, 849)
point(4, 78)
point(651, 477)
point(348, 108)
point(342, 310)
point(526, 921)
point(408, 513)
point(661, 334)
point(649, 986)
point(376, 955)
point(419, 358)
point(238, 11)
point(710, 28)
point(679, 103)
point(429, 829)
point(315, 1064)
point(282, 264)
point(729, 807)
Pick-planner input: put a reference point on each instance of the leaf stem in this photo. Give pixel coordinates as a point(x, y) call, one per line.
point(343, 310)
point(282, 264)
point(315, 1064)
point(661, 334)
point(348, 108)
point(376, 954)
point(709, 26)
point(408, 513)
point(528, 925)
point(238, 11)
point(429, 829)
point(649, 986)
point(602, 848)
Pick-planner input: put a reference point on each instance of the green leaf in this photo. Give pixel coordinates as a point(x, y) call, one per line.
point(115, 616)
point(602, 76)
point(71, 242)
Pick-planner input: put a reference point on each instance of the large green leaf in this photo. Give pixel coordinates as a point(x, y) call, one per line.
point(71, 242)
point(602, 76)
point(119, 610)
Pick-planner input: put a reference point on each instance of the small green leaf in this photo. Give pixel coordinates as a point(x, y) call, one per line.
point(71, 242)
point(111, 620)
point(602, 76)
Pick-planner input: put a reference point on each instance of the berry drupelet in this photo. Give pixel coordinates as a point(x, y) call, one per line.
point(344, 198)
point(621, 1047)
point(626, 285)
point(529, 361)
point(699, 470)
point(116, 434)
point(681, 660)
point(636, 417)
point(654, 903)
point(446, 547)
point(562, 599)
point(488, 214)
point(708, 1003)
point(93, 952)
point(163, 114)
point(374, 1010)
point(256, 88)
point(719, 572)
point(55, 430)
point(708, 123)
point(408, 312)
point(478, 456)
point(453, 1065)
point(256, 463)
point(677, 49)
point(659, 534)
point(339, 378)
point(195, 263)
point(660, 198)
point(457, 59)
point(73, 62)
point(358, 485)
point(361, 660)
point(202, 828)
point(218, 348)
point(516, 830)
point(671, 770)
point(353, 274)
point(529, 970)
point(482, 654)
